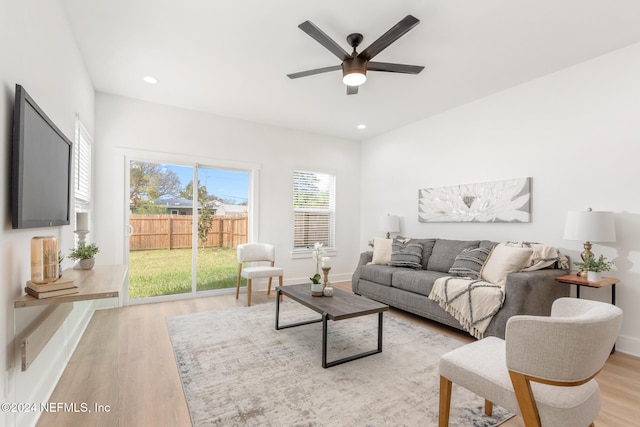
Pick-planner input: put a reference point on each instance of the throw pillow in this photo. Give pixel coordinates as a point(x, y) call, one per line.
point(381, 251)
point(502, 261)
point(445, 251)
point(469, 263)
point(406, 254)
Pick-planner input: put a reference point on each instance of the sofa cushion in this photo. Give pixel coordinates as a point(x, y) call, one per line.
point(427, 248)
point(445, 252)
point(416, 281)
point(406, 253)
point(469, 263)
point(381, 251)
point(380, 274)
point(487, 244)
point(503, 261)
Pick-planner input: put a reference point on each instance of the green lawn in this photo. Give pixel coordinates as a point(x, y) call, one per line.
point(166, 272)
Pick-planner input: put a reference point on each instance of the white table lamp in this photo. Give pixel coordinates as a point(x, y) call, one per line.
point(389, 223)
point(589, 226)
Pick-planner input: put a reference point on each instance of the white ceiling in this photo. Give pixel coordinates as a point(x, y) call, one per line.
point(231, 57)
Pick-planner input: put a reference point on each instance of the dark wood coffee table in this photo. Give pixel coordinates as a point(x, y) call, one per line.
point(342, 305)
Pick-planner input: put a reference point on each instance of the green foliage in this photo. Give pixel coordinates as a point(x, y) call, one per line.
point(149, 181)
point(316, 278)
point(145, 207)
point(84, 251)
point(205, 221)
point(167, 272)
point(203, 195)
point(593, 264)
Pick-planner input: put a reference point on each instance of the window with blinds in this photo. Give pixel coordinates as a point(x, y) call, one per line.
point(314, 196)
point(82, 169)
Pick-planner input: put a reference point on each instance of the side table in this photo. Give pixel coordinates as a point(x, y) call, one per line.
point(574, 279)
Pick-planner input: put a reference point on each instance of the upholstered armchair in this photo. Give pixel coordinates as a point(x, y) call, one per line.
point(544, 368)
point(263, 257)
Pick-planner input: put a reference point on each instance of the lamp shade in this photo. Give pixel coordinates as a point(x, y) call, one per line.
point(354, 71)
point(590, 226)
point(389, 223)
point(355, 78)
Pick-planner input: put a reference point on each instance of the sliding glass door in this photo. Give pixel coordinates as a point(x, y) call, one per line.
point(183, 238)
point(223, 224)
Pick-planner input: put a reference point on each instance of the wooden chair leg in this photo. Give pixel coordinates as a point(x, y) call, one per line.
point(238, 284)
point(248, 292)
point(488, 408)
point(269, 287)
point(445, 402)
point(280, 284)
point(526, 401)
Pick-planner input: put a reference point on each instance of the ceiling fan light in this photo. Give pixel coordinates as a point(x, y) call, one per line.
point(354, 78)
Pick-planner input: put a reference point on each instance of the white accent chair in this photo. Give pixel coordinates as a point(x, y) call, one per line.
point(257, 253)
point(543, 370)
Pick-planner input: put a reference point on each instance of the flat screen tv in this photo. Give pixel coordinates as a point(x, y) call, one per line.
point(41, 167)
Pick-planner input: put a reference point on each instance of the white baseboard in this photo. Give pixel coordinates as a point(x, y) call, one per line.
point(628, 345)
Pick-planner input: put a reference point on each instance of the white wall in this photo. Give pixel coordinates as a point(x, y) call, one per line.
point(38, 52)
point(126, 126)
point(575, 132)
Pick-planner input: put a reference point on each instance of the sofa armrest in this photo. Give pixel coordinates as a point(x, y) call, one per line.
point(365, 258)
point(529, 292)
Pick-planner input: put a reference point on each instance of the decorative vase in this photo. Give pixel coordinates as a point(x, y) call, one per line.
point(86, 264)
point(44, 259)
point(328, 291)
point(316, 289)
point(594, 276)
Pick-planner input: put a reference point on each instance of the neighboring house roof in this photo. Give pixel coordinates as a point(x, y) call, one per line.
point(174, 202)
point(225, 209)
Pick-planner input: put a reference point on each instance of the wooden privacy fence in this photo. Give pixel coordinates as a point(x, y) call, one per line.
point(174, 232)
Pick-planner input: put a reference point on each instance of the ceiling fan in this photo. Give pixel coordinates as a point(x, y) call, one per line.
point(355, 65)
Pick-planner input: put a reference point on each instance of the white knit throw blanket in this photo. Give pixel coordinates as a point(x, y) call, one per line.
point(472, 302)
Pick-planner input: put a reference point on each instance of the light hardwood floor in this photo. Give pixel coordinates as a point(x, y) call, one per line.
point(125, 360)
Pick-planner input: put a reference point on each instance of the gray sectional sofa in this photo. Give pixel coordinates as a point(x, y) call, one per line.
point(531, 292)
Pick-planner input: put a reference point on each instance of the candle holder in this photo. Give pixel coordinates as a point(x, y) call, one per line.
point(327, 290)
point(82, 236)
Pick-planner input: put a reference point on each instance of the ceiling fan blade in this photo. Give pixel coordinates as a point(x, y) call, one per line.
point(352, 90)
point(397, 31)
point(318, 35)
point(314, 71)
point(394, 68)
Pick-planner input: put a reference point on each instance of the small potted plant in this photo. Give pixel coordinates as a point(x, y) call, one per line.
point(594, 267)
point(316, 280)
point(60, 259)
point(84, 254)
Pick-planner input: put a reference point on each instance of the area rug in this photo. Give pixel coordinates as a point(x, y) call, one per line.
point(237, 370)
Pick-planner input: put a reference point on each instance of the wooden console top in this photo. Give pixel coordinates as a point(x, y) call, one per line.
point(103, 281)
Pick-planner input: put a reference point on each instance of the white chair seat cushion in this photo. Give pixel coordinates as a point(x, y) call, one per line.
point(260, 272)
point(481, 367)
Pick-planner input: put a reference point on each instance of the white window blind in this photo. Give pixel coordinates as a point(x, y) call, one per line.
point(313, 209)
point(82, 154)
point(82, 168)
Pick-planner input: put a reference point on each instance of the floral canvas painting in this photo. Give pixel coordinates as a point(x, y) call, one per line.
point(496, 201)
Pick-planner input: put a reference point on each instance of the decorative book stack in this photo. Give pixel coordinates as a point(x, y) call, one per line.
point(60, 287)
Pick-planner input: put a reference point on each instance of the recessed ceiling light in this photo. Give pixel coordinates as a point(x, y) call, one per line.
point(362, 126)
point(150, 79)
